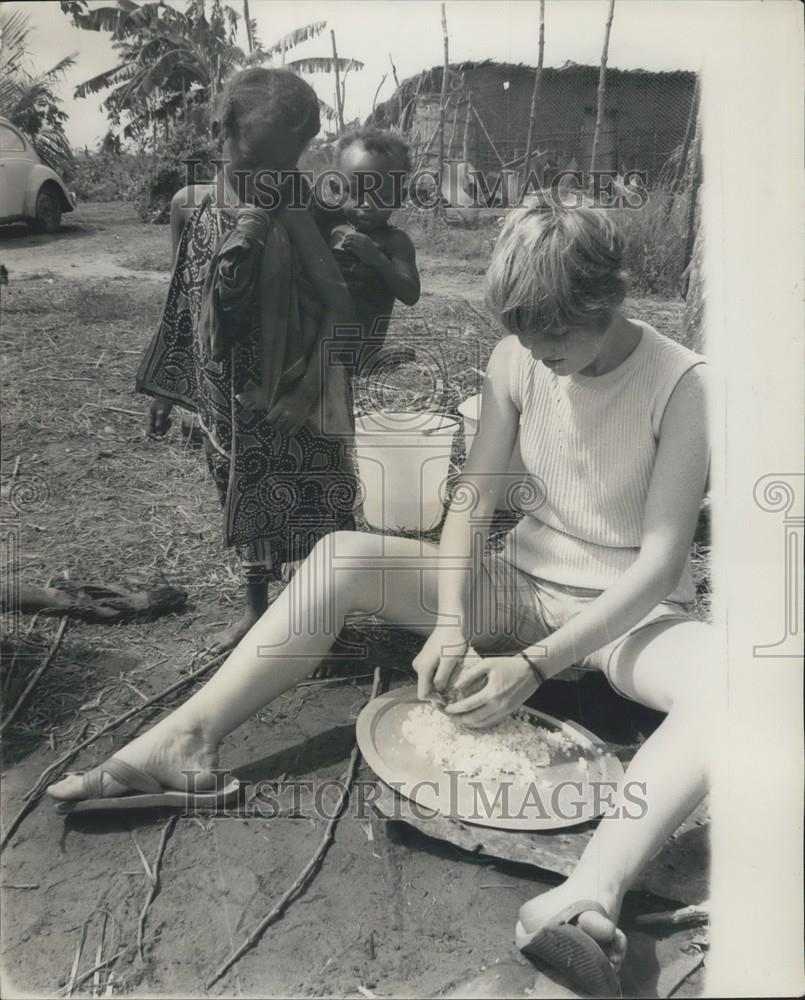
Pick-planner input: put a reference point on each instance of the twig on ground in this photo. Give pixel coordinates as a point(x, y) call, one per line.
point(33, 795)
point(96, 979)
point(153, 876)
point(311, 867)
point(686, 915)
point(91, 972)
point(333, 680)
point(686, 975)
point(37, 674)
point(73, 982)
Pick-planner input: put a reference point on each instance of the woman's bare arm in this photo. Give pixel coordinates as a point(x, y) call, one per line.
point(466, 526)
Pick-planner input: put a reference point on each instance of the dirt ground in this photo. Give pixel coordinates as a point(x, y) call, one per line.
point(391, 912)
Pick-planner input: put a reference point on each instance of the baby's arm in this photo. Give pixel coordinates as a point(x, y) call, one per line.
point(399, 274)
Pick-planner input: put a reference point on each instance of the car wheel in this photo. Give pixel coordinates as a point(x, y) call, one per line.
point(48, 212)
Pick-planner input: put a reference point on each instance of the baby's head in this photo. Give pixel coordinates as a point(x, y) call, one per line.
point(374, 163)
point(267, 117)
point(556, 280)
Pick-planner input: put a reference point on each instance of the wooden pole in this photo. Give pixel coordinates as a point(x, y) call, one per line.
point(488, 136)
point(602, 78)
point(532, 118)
point(374, 99)
point(248, 20)
point(465, 150)
point(443, 98)
point(684, 153)
point(453, 130)
point(339, 107)
point(397, 91)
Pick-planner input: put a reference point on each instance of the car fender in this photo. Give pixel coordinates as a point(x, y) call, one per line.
point(39, 175)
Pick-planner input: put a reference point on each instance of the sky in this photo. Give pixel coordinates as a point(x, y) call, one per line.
point(650, 34)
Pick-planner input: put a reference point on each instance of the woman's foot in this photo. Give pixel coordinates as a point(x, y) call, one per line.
point(603, 930)
point(222, 642)
point(184, 761)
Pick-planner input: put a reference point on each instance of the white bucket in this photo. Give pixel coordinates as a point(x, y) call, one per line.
point(470, 411)
point(403, 463)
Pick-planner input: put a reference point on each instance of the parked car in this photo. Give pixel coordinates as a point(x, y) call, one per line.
point(29, 191)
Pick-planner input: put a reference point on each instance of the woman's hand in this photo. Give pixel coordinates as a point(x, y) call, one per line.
point(159, 417)
point(509, 682)
point(443, 652)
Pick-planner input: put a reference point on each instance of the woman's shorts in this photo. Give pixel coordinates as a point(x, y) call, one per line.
point(513, 610)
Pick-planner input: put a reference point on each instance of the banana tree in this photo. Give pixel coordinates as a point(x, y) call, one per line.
point(28, 99)
point(167, 59)
point(277, 54)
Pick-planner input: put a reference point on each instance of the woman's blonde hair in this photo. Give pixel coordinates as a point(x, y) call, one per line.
point(556, 269)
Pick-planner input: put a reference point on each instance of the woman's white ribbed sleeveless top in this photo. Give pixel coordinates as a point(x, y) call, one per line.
point(591, 443)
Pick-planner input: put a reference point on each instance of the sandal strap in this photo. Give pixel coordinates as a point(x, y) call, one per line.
point(131, 777)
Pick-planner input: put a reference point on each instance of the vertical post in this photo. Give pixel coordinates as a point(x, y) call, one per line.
point(465, 151)
point(398, 92)
point(248, 20)
point(339, 107)
point(532, 118)
point(602, 77)
point(443, 98)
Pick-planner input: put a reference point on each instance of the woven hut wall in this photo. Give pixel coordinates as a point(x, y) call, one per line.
point(645, 114)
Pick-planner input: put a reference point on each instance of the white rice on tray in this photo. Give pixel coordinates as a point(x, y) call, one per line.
point(515, 747)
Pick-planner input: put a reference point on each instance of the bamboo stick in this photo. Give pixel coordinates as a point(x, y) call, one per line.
point(602, 76)
point(532, 118)
point(338, 101)
point(249, 32)
point(397, 92)
point(443, 97)
point(453, 130)
point(465, 151)
point(488, 136)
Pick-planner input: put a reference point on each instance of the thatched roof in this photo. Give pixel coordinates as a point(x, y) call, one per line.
point(429, 82)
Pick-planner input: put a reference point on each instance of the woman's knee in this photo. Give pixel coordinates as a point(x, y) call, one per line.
point(340, 566)
point(670, 668)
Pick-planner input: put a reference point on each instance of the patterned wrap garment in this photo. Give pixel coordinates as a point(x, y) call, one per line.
point(280, 493)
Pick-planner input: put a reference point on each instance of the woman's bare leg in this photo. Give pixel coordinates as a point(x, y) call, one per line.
point(346, 572)
point(668, 668)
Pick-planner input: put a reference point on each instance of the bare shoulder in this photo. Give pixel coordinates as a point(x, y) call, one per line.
point(504, 356)
point(692, 386)
point(396, 241)
point(187, 200)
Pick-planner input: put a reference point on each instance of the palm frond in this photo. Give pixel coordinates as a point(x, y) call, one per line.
point(192, 68)
point(14, 31)
point(105, 18)
point(322, 64)
point(61, 67)
point(294, 38)
point(53, 149)
point(327, 112)
point(109, 78)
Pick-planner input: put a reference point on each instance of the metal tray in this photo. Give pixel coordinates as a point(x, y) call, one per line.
point(573, 788)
